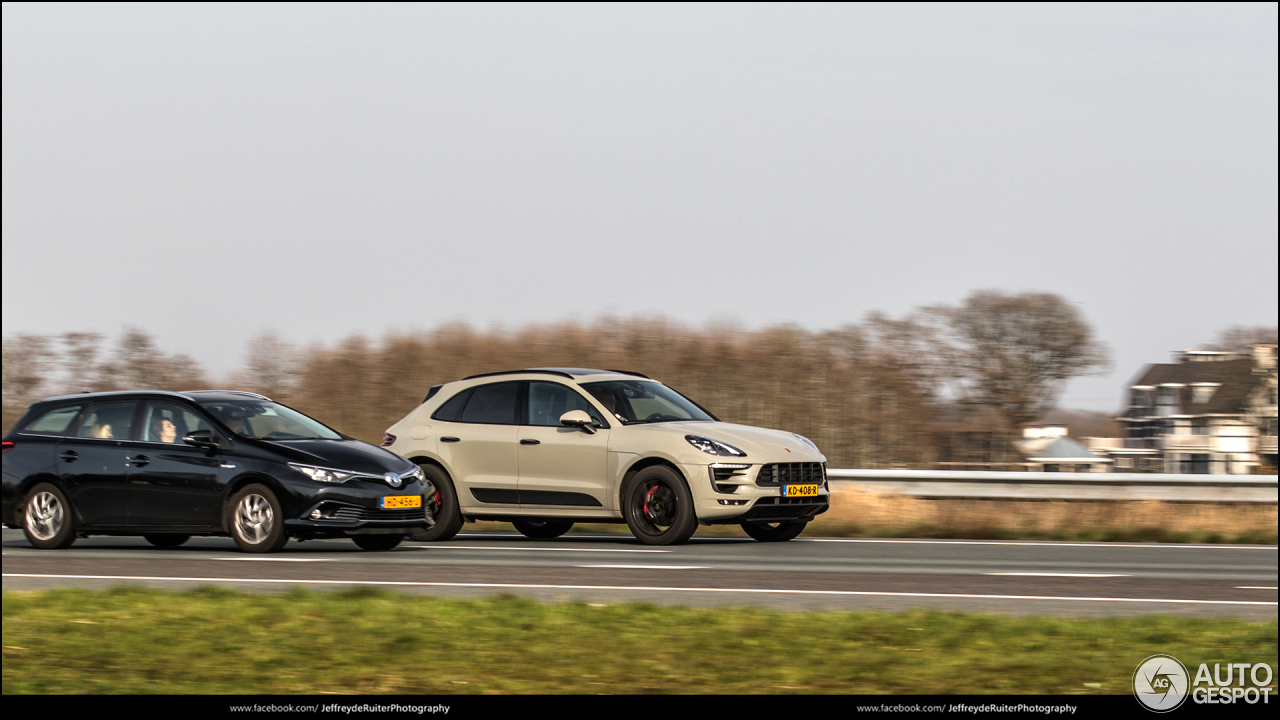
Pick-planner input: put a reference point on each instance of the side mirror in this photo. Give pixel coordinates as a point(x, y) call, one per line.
point(201, 439)
point(579, 419)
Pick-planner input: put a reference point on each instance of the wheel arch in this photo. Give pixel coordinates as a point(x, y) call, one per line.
point(24, 488)
point(239, 484)
point(643, 464)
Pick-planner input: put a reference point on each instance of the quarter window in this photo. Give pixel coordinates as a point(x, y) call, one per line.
point(451, 410)
point(54, 422)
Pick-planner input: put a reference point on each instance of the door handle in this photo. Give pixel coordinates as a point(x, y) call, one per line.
point(530, 441)
point(449, 439)
point(138, 461)
point(70, 456)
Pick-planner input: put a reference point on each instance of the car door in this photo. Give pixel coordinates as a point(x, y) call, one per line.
point(170, 482)
point(93, 464)
point(477, 442)
point(561, 466)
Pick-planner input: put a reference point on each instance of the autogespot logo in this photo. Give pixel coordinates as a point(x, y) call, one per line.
point(1160, 683)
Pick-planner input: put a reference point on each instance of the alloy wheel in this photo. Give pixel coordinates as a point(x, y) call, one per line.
point(254, 518)
point(45, 515)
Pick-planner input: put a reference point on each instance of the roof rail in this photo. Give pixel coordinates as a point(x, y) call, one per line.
point(631, 372)
point(519, 372)
point(237, 392)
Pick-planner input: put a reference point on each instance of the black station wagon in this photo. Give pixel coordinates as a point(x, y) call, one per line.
point(168, 465)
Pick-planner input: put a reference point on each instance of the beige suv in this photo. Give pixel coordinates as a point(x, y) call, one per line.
point(547, 447)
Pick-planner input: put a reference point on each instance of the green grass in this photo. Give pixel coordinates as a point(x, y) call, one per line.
point(211, 641)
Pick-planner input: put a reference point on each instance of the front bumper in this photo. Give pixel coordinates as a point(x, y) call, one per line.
point(749, 501)
point(353, 508)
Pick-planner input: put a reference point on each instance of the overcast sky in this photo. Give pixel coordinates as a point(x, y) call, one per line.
point(207, 172)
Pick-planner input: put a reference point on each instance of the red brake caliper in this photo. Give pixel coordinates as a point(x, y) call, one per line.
point(648, 511)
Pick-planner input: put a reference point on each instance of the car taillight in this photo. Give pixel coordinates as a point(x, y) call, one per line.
point(388, 439)
point(8, 445)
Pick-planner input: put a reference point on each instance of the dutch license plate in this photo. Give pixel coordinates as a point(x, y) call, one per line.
point(396, 502)
point(799, 491)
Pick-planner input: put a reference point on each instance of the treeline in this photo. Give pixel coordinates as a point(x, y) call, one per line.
point(944, 384)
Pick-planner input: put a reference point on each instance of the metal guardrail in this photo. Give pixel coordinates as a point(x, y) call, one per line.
point(1059, 486)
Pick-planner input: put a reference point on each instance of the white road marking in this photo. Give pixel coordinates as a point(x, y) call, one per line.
point(533, 586)
point(528, 549)
point(1253, 587)
point(271, 559)
point(648, 567)
point(1272, 548)
point(1051, 574)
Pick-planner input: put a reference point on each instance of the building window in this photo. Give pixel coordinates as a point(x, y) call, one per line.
point(1200, 426)
point(1202, 393)
point(1124, 462)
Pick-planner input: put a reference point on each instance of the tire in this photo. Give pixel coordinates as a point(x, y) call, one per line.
point(167, 541)
point(47, 518)
point(376, 542)
point(255, 520)
point(775, 532)
point(441, 507)
point(658, 507)
point(542, 529)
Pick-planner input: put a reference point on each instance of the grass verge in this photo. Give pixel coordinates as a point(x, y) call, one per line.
point(215, 641)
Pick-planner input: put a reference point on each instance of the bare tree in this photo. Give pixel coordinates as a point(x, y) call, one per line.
point(138, 364)
point(1014, 353)
point(1240, 337)
point(27, 364)
point(271, 367)
point(80, 361)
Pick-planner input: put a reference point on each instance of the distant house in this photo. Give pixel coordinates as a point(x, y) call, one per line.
point(1211, 411)
point(1048, 449)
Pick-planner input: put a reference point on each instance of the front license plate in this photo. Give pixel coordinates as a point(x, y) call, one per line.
point(396, 502)
point(799, 491)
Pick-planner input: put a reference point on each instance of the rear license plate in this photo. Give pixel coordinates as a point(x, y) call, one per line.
point(395, 502)
point(799, 491)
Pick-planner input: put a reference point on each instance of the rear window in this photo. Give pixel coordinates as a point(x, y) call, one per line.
point(492, 404)
point(54, 422)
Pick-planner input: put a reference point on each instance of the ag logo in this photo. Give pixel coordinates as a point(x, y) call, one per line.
point(1160, 683)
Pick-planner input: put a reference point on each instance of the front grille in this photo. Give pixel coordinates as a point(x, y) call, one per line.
point(791, 474)
point(359, 514)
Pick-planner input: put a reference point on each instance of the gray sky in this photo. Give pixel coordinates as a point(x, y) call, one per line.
point(206, 172)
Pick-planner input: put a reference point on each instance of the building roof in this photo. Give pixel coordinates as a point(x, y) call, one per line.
point(1235, 378)
point(1058, 449)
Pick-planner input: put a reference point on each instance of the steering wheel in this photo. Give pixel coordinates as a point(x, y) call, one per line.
point(278, 435)
point(655, 416)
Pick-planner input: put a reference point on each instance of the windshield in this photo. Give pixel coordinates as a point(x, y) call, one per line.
point(266, 420)
point(633, 401)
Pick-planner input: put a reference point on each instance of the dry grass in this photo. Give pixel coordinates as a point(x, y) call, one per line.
point(856, 512)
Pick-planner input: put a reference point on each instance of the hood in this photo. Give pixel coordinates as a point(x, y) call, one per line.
point(762, 445)
point(354, 455)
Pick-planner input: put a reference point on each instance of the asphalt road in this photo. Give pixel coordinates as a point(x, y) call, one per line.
point(1029, 578)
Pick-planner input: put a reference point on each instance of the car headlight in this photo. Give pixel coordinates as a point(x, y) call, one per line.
point(320, 474)
point(807, 440)
point(714, 447)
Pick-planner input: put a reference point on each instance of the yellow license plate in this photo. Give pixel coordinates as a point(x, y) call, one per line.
point(799, 491)
point(395, 502)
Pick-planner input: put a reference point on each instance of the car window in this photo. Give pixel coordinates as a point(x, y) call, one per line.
point(492, 404)
point(54, 422)
point(451, 410)
point(109, 421)
point(633, 401)
point(548, 401)
point(169, 423)
point(267, 420)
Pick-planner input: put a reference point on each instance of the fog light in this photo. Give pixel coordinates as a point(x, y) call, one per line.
point(315, 514)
